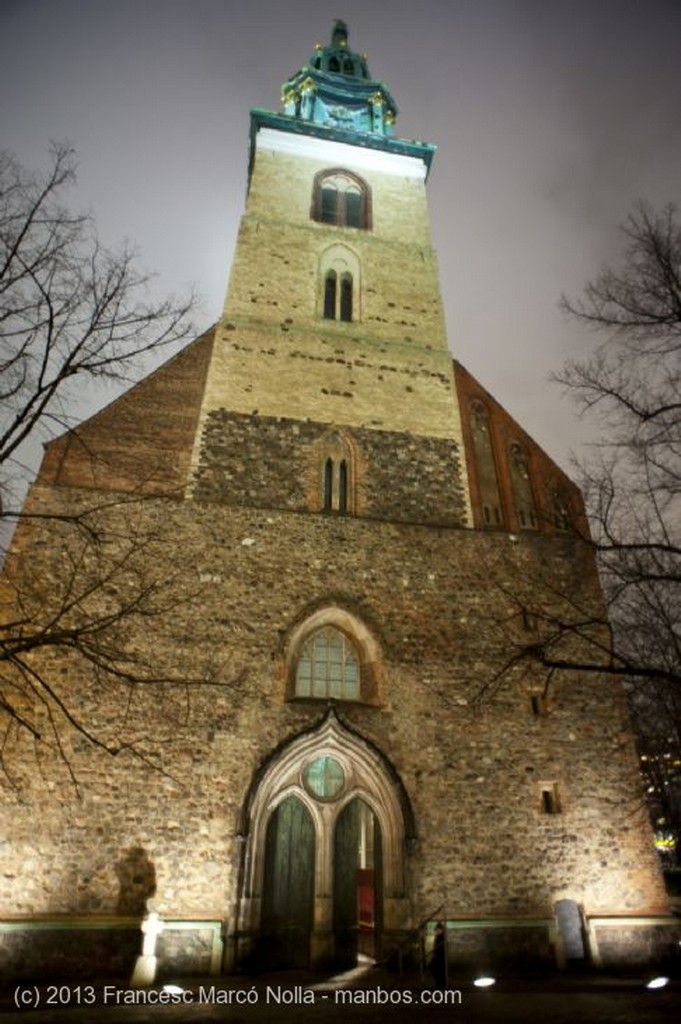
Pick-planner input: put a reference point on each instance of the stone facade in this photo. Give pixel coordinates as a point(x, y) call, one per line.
point(215, 521)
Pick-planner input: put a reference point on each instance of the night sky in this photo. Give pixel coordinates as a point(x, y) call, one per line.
point(551, 118)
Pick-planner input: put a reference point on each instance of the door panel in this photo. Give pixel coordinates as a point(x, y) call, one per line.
point(288, 891)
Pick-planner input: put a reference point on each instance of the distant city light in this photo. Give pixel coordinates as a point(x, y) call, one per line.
point(484, 982)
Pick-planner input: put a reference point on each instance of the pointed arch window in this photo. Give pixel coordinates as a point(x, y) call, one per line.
point(485, 465)
point(336, 475)
point(521, 485)
point(338, 296)
point(339, 284)
point(328, 667)
point(342, 198)
point(560, 511)
point(336, 486)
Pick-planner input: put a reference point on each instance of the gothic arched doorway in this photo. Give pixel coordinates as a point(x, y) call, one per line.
point(324, 874)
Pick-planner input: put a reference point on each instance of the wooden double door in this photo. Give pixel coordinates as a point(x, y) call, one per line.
point(294, 881)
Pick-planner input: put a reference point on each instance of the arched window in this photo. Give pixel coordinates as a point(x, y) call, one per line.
point(336, 475)
point(521, 486)
point(332, 655)
point(328, 667)
point(560, 511)
point(338, 301)
point(485, 465)
point(336, 486)
point(342, 198)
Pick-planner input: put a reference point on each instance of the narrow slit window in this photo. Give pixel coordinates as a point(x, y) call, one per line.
point(330, 289)
point(538, 704)
point(343, 487)
point(550, 803)
point(328, 485)
point(346, 298)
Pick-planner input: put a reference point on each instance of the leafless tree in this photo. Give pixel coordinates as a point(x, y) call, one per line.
point(631, 388)
point(72, 314)
point(631, 479)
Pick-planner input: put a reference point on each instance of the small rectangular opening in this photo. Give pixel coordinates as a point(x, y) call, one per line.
point(549, 798)
point(538, 704)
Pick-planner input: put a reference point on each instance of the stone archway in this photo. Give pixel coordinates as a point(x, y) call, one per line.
point(338, 782)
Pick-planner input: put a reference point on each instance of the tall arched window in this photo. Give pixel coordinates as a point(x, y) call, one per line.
point(339, 284)
point(342, 198)
point(328, 667)
point(521, 486)
point(338, 301)
point(560, 511)
point(485, 465)
point(336, 475)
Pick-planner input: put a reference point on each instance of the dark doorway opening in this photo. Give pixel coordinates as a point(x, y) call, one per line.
point(357, 884)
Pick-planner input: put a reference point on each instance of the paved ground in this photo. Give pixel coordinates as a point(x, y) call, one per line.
point(379, 998)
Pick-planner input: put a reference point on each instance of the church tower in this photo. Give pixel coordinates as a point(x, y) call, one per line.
point(333, 329)
point(316, 560)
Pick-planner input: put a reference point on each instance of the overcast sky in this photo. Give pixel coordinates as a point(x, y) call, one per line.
point(551, 118)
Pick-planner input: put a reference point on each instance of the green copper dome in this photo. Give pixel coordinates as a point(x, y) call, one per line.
point(335, 90)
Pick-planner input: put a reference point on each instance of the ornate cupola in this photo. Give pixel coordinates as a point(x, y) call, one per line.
point(334, 89)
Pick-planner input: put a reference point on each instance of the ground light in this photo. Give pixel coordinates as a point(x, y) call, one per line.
point(174, 990)
point(658, 982)
point(484, 982)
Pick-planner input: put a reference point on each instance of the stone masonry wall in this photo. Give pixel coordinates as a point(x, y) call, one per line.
point(268, 462)
point(472, 757)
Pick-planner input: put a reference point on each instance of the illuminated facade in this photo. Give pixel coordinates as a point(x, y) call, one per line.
point(355, 535)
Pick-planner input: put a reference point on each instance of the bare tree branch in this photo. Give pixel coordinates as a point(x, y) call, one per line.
point(73, 645)
point(69, 309)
